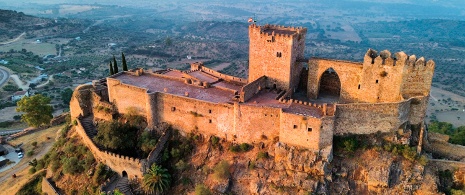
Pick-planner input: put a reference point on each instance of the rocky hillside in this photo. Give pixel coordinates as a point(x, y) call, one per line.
point(13, 24)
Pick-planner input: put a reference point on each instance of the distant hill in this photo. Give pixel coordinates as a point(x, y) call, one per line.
point(13, 23)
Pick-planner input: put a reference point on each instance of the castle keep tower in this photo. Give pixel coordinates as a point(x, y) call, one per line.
point(273, 52)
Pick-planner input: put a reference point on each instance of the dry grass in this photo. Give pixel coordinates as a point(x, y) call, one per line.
point(13, 185)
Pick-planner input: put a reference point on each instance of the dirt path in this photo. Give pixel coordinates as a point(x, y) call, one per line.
point(14, 40)
point(19, 82)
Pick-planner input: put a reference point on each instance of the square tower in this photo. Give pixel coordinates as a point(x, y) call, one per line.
point(274, 52)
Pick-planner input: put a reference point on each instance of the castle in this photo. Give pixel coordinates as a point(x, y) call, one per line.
point(297, 101)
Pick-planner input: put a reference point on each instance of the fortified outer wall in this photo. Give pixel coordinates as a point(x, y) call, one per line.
point(418, 108)
point(249, 90)
point(308, 132)
point(273, 51)
point(251, 122)
point(116, 162)
point(370, 117)
point(418, 76)
point(381, 79)
point(192, 115)
point(125, 96)
point(233, 122)
point(348, 72)
point(80, 104)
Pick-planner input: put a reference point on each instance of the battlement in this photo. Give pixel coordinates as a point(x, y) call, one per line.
point(400, 59)
point(277, 30)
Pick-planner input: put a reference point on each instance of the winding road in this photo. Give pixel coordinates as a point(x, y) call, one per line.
point(4, 75)
point(13, 40)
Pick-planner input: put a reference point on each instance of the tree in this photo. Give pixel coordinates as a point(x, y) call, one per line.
point(112, 72)
point(156, 180)
point(66, 95)
point(115, 65)
point(115, 135)
point(37, 110)
point(123, 59)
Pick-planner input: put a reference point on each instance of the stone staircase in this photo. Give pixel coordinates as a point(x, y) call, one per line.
point(123, 186)
point(89, 126)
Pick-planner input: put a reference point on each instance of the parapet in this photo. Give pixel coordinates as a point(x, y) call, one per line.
point(384, 58)
point(277, 30)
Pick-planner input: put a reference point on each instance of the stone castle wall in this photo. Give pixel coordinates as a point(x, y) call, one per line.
point(125, 96)
point(307, 132)
point(380, 78)
point(249, 90)
point(273, 52)
point(223, 76)
point(116, 162)
point(371, 117)
point(349, 76)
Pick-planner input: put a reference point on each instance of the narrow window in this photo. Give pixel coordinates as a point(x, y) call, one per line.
point(210, 111)
point(376, 81)
point(265, 115)
point(358, 86)
point(173, 109)
point(295, 126)
point(209, 120)
point(271, 115)
point(309, 129)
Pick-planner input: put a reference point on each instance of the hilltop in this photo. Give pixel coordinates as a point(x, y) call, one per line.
point(13, 24)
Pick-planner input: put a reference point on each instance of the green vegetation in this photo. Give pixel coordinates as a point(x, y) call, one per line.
point(33, 186)
point(262, 155)
point(66, 95)
point(215, 141)
point(156, 180)
point(112, 72)
point(123, 61)
point(37, 110)
point(457, 135)
point(115, 65)
point(221, 170)
point(10, 87)
point(446, 183)
point(244, 147)
point(116, 136)
point(201, 189)
point(409, 153)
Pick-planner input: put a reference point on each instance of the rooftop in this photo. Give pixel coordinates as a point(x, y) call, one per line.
point(175, 87)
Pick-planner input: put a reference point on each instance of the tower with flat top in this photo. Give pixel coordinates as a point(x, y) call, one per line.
point(274, 52)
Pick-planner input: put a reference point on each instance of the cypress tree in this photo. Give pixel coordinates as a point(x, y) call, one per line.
point(123, 59)
point(111, 69)
point(115, 65)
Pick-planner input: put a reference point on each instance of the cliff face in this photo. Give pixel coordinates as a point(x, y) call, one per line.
point(380, 172)
point(291, 170)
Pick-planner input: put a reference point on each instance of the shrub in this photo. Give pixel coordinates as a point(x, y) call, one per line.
point(244, 147)
point(72, 165)
point(202, 190)
point(215, 140)
point(34, 144)
point(221, 170)
point(32, 170)
point(181, 165)
point(261, 155)
point(55, 165)
point(251, 165)
point(30, 153)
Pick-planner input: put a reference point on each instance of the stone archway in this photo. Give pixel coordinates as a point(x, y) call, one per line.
point(329, 85)
point(124, 174)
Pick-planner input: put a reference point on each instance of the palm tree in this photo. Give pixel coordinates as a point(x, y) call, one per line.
point(157, 179)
